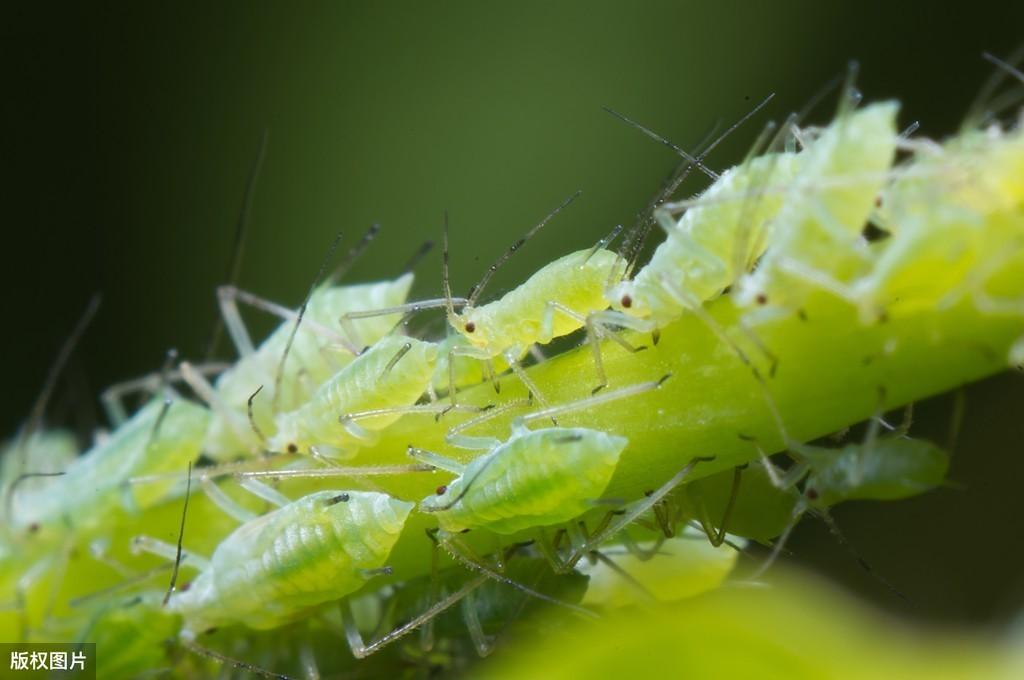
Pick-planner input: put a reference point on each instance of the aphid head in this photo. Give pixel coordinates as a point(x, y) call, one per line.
point(470, 327)
point(623, 298)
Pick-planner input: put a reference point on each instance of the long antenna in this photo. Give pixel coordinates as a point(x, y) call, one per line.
point(474, 292)
point(445, 280)
point(241, 230)
point(279, 376)
point(354, 254)
point(417, 257)
point(694, 162)
point(35, 415)
point(181, 535)
point(642, 227)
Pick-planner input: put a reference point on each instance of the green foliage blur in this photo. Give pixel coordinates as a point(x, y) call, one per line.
point(133, 128)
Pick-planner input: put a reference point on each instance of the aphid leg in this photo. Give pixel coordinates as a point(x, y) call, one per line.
point(510, 355)
point(596, 332)
point(784, 480)
point(637, 508)
point(455, 437)
point(348, 420)
point(484, 644)
point(224, 502)
point(716, 538)
point(155, 546)
point(113, 398)
point(264, 492)
point(780, 543)
point(352, 333)
point(205, 391)
point(457, 550)
point(307, 659)
point(588, 402)
point(643, 592)
point(234, 663)
point(464, 351)
point(634, 548)
point(436, 460)
point(334, 472)
point(361, 650)
point(229, 297)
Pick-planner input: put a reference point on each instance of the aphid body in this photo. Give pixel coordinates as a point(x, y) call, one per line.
point(159, 438)
point(818, 234)
point(314, 357)
point(533, 312)
point(391, 375)
point(275, 568)
point(710, 246)
point(535, 478)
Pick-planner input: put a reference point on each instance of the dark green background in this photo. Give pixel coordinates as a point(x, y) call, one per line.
point(130, 132)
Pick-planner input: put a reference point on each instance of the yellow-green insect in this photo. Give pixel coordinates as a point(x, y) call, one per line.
point(317, 352)
point(277, 567)
point(555, 301)
point(376, 389)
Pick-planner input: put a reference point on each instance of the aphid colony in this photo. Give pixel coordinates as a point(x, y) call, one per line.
point(787, 223)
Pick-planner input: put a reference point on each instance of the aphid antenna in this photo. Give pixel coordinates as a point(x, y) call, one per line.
point(691, 160)
point(181, 536)
point(35, 414)
point(149, 384)
point(840, 537)
point(604, 242)
point(131, 582)
point(908, 131)
point(154, 434)
point(18, 481)
point(641, 228)
point(353, 254)
point(279, 375)
point(252, 419)
point(978, 110)
point(234, 268)
point(199, 650)
point(417, 257)
point(476, 290)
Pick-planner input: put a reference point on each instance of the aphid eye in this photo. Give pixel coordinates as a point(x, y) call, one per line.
point(761, 299)
point(441, 490)
point(184, 586)
point(33, 528)
point(292, 448)
point(812, 494)
point(470, 327)
point(340, 498)
point(627, 301)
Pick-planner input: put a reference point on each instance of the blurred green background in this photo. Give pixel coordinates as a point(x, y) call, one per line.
point(131, 130)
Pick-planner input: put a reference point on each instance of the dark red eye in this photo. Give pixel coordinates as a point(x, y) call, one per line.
point(627, 301)
point(470, 327)
point(441, 490)
point(812, 494)
point(762, 299)
point(292, 448)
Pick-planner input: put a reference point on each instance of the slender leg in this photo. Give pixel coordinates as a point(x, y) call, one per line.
point(267, 493)
point(307, 659)
point(457, 551)
point(361, 650)
point(717, 538)
point(455, 437)
point(638, 508)
point(347, 420)
point(113, 398)
point(436, 460)
point(352, 332)
point(595, 400)
point(224, 502)
point(205, 391)
point(234, 663)
point(229, 296)
point(169, 552)
point(483, 643)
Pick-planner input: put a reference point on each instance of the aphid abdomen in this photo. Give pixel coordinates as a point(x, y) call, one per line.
point(375, 380)
point(538, 478)
point(275, 567)
point(575, 281)
point(93, 484)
